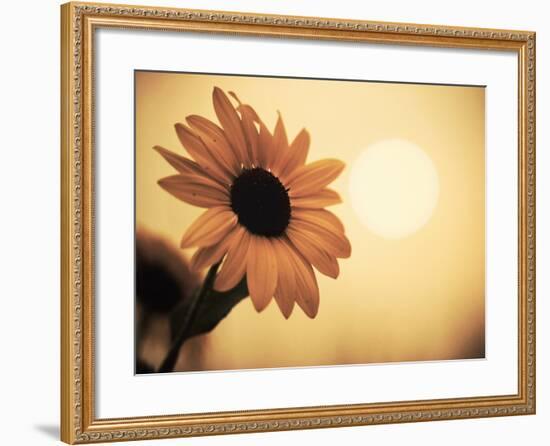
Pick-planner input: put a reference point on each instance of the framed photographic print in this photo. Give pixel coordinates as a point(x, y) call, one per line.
point(275, 223)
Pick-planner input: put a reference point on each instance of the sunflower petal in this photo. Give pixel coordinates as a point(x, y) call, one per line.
point(261, 271)
point(319, 199)
point(231, 123)
point(313, 177)
point(200, 153)
point(248, 109)
point(250, 132)
point(252, 125)
point(334, 242)
point(285, 293)
point(280, 146)
point(183, 179)
point(214, 138)
point(234, 96)
point(265, 147)
point(180, 163)
point(234, 265)
point(284, 302)
point(207, 256)
point(296, 154)
point(196, 190)
point(324, 262)
point(307, 295)
point(211, 227)
point(320, 217)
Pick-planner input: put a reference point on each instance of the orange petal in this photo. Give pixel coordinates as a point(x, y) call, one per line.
point(319, 199)
point(250, 111)
point(285, 293)
point(258, 141)
point(234, 265)
point(180, 163)
point(324, 262)
point(196, 190)
point(183, 179)
point(231, 123)
point(296, 154)
point(280, 146)
point(261, 271)
point(313, 177)
point(211, 227)
point(246, 107)
point(214, 138)
point(250, 132)
point(206, 257)
point(234, 96)
point(320, 217)
point(284, 302)
point(334, 242)
point(200, 153)
point(307, 295)
point(265, 147)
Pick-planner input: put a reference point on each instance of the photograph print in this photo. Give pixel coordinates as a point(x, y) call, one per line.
point(299, 222)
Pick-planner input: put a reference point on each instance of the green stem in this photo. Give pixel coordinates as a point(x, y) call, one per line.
point(171, 358)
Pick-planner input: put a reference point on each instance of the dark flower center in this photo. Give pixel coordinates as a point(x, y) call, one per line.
point(261, 202)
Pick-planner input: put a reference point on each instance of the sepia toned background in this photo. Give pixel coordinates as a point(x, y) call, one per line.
point(416, 298)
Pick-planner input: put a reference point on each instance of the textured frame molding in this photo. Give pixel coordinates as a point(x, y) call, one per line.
point(78, 424)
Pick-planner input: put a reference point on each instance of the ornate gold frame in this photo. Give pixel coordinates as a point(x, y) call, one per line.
point(78, 423)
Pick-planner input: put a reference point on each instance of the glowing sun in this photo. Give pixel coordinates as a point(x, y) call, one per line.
point(394, 188)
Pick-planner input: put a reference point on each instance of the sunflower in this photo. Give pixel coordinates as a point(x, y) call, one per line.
point(265, 214)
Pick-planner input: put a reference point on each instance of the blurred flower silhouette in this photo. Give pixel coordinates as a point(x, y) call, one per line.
point(265, 214)
point(164, 282)
point(163, 277)
point(142, 367)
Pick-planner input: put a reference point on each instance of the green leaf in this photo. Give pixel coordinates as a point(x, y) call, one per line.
point(200, 314)
point(210, 310)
